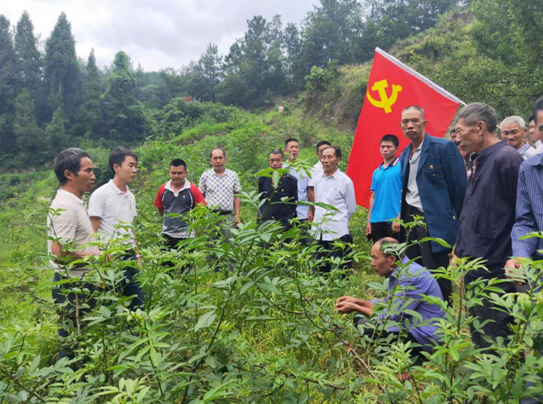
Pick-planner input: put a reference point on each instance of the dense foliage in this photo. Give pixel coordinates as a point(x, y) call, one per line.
point(125, 104)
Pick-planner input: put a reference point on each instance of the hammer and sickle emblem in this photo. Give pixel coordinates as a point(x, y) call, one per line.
point(386, 102)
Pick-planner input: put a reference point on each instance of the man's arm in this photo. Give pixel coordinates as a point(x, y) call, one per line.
point(202, 185)
point(368, 225)
point(350, 199)
point(95, 221)
point(237, 209)
point(64, 227)
point(348, 304)
point(158, 200)
point(311, 198)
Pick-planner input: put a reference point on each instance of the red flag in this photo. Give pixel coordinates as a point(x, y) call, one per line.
point(392, 86)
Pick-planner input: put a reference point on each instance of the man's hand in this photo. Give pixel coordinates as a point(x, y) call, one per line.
point(514, 271)
point(237, 221)
point(368, 229)
point(348, 304)
point(310, 215)
point(395, 227)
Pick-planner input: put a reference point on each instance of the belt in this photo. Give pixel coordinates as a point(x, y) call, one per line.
point(223, 212)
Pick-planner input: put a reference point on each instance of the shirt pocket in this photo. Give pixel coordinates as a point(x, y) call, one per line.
point(434, 175)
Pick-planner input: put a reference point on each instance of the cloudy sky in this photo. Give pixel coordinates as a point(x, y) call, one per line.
point(159, 33)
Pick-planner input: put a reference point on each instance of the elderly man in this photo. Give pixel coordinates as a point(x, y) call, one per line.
point(434, 184)
point(488, 213)
point(220, 187)
point(406, 288)
point(334, 188)
point(514, 131)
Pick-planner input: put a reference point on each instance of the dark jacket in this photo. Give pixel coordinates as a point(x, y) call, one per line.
point(441, 180)
point(488, 213)
point(278, 209)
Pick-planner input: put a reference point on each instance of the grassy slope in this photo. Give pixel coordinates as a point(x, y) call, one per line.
point(25, 279)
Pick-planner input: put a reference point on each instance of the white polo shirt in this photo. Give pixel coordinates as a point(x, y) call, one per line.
point(116, 210)
point(336, 190)
point(70, 225)
point(317, 169)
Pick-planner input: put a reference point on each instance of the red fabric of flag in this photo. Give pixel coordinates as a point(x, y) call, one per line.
point(392, 86)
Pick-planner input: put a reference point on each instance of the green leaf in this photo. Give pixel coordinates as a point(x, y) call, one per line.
point(206, 320)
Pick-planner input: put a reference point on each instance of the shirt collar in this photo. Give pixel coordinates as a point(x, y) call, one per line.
point(70, 195)
point(524, 148)
point(393, 164)
point(169, 185)
point(333, 175)
point(117, 190)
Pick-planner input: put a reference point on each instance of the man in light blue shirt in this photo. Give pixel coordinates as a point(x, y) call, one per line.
point(406, 288)
point(386, 191)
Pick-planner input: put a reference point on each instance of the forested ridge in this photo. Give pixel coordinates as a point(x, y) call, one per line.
point(50, 97)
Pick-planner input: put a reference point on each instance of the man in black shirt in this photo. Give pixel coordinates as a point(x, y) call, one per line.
point(281, 201)
point(488, 212)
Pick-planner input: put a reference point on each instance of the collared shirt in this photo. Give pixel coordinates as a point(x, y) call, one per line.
point(488, 212)
point(527, 151)
point(386, 183)
point(275, 208)
point(179, 203)
point(113, 206)
point(303, 183)
point(412, 196)
point(317, 169)
point(336, 190)
point(71, 225)
point(219, 190)
point(539, 146)
point(529, 214)
point(406, 288)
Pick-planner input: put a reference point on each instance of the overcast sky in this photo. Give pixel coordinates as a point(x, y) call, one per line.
point(157, 34)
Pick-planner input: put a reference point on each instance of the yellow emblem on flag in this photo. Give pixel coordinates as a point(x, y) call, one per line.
point(385, 102)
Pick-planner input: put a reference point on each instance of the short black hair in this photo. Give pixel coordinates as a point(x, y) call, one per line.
point(291, 139)
point(531, 118)
point(323, 142)
point(276, 151)
point(118, 155)
point(390, 138)
point(337, 150)
point(178, 163)
point(538, 106)
point(68, 159)
point(217, 148)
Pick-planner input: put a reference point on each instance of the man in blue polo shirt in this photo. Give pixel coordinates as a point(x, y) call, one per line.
point(386, 191)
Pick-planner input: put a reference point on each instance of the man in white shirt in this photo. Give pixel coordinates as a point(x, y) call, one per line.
point(317, 169)
point(334, 188)
point(70, 233)
point(514, 131)
point(292, 148)
point(112, 209)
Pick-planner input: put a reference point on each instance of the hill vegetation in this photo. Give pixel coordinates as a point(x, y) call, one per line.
point(265, 332)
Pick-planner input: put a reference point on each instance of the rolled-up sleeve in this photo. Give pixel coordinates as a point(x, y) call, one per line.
point(525, 221)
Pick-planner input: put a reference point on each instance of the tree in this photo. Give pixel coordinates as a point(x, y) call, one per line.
point(8, 143)
point(62, 69)
point(332, 32)
point(123, 115)
point(91, 111)
point(29, 63)
point(30, 138)
point(55, 133)
point(210, 72)
point(294, 70)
